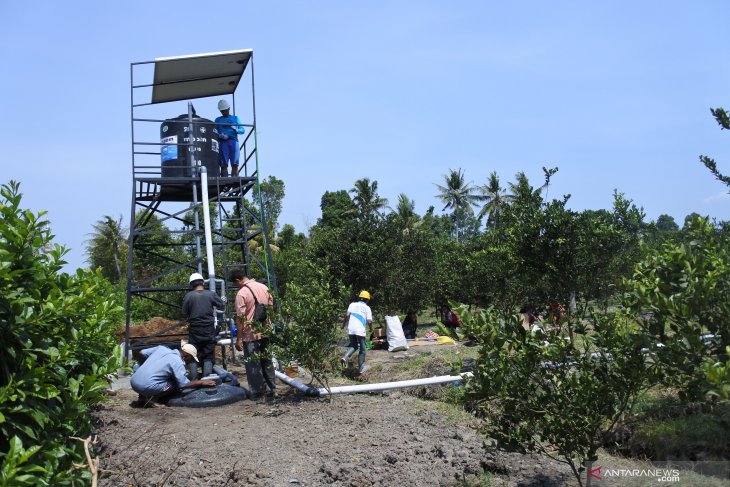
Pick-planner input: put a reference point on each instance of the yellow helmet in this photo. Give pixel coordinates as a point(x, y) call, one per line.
point(364, 294)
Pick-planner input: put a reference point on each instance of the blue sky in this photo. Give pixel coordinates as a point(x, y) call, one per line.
point(616, 94)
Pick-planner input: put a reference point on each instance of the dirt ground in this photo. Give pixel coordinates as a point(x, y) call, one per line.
point(383, 439)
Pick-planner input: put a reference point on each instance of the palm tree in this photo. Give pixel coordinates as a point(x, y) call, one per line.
point(406, 211)
point(521, 188)
point(458, 196)
point(495, 198)
point(405, 207)
point(366, 198)
point(107, 247)
point(456, 193)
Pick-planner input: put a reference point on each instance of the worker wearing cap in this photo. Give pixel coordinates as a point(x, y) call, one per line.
point(162, 373)
point(199, 310)
point(358, 316)
point(228, 127)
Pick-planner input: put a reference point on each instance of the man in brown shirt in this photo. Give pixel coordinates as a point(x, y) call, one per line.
point(253, 343)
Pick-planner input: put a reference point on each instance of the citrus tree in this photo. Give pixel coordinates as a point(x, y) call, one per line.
point(309, 316)
point(551, 395)
point(58, 347)
point(680, 297)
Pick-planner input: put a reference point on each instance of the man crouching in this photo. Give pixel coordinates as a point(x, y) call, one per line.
point(163, 373)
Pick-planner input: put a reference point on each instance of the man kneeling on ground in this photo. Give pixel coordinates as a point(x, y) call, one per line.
point(163, 373)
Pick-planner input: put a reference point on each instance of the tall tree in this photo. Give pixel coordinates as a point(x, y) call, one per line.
point(366, 198)
point(521, 189)
point(666, 223)
point(689, 219)
point(272, 194)
point(456, 194)
point(407, 259)
point(405, 207)
point(494, 197)
point(337, 209)
point(405, 212)
point(107, 247)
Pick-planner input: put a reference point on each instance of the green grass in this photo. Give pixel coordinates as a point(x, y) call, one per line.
point(700, 435)
point(449, 355)
point(687, 477)
point(483, 479)
point(453, 413)
point(454, 395)
point(666, 428)
point(412, 364)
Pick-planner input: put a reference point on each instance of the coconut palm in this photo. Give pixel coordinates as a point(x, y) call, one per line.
point(457, 195)
point(521, 188)
point(366, 198)
point(405, 209)
point(495, 199)
point(107, 247)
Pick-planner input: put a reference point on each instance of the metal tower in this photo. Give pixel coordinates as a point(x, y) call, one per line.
point(175, 174)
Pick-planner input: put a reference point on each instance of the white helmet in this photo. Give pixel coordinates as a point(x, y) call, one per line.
point(223, 105)
point(195, 277)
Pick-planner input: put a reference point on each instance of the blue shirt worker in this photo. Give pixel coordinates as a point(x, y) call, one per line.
point(228, 127)
point(163, 373)
point(358, 317)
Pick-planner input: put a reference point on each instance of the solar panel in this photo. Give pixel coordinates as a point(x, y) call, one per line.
point(198, 75)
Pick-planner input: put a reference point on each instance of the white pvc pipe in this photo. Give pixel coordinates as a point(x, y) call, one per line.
point(206, 225)
point(383, 386)
point(307, 390)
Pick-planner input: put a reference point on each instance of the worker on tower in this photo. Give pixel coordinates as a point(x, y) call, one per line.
point(199, 310)
point(228, 127)
point(358, 316)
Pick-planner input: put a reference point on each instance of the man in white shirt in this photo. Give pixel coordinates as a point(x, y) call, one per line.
point(358, 318)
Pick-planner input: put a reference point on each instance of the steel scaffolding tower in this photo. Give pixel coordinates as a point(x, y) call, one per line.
point(175, 175)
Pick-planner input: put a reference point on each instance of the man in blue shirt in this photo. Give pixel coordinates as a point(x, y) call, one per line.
point(162, 373)
point(228, 127)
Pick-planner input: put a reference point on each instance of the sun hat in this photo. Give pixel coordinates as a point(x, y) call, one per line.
point(190, 350)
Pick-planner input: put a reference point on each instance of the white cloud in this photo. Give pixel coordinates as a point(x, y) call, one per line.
point(721, 196)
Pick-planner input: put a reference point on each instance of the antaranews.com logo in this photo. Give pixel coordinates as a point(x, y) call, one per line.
point(658, 474)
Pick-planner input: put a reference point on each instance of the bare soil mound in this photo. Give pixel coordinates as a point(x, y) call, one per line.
point(151, 327)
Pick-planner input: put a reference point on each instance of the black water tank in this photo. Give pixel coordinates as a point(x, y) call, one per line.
point(176, 158)
point(206, 397)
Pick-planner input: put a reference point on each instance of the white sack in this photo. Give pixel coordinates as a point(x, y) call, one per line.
point(396, 338)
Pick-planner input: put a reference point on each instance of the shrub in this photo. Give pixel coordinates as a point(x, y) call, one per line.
point(553, 395)
point(717, 375)
point(57, 332)
point(310, 316)
point(681, 292)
